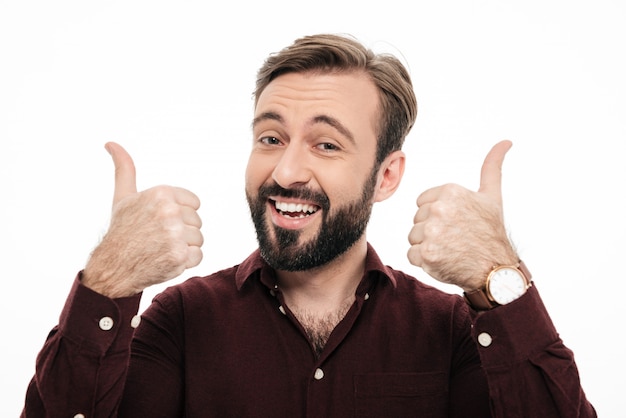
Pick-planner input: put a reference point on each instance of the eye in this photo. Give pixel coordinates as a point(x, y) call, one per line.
point(270, 140)
point(327, 146)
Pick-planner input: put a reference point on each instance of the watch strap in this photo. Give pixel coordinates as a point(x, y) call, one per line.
point(479, 300)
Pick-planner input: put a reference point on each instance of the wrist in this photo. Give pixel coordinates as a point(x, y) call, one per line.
point(106, 281)
point(503, 285)
point(482, 271)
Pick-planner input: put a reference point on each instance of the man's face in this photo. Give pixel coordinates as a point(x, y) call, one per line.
point(310, 179)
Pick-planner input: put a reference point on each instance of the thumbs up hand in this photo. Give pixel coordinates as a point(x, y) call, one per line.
point(458, 234)
point(153, 236)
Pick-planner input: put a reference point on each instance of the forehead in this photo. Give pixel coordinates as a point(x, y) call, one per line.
point(351, 98)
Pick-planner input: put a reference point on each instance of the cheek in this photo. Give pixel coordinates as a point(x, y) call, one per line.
point(343, 186)
point(256, 173)
point(249, 175)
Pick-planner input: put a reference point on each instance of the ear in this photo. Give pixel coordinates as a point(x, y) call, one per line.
point(389, 175)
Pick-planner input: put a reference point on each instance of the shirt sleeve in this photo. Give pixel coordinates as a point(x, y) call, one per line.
point(82, 366)
point(530, 371)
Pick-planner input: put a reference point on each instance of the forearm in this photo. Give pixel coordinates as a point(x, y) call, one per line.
point(529, 369)
point(82, 367)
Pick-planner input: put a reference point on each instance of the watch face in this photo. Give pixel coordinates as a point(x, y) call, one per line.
point(506, 284)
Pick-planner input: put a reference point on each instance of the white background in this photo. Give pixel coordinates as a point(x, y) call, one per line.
point(172, 82)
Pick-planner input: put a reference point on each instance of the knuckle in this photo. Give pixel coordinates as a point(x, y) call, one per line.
point(453, 192)
point(177, 257)
point(438, 208)
point(430, 253)
point(413, 256)
point(194, 256)
point(451, 188)
point(432, 230)
point(200, 239)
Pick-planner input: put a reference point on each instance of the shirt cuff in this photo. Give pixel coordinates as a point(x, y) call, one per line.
point(98, 323)
point(511, 333)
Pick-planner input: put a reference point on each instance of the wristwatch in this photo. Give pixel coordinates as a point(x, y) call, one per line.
point(504, 285)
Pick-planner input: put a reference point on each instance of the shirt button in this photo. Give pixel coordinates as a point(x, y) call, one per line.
point(282, 310)
point(484, 339)
point(79, 416)
point(367, 296)
point(135, 321)
point(106, 323)
point(319, 374)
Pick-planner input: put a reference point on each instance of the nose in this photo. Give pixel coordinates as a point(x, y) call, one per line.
point(293, 168)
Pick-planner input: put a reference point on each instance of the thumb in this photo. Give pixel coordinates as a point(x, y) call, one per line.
point(491, 172)
point(125, 178)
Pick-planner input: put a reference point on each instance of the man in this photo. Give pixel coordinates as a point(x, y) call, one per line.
point(313, 323)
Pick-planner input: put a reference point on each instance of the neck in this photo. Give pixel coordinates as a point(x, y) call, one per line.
point(321, 297)
point(327, 287)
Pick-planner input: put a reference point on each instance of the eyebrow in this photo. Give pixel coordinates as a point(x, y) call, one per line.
point(330, 121)
point(324, 119)
point(267, 116)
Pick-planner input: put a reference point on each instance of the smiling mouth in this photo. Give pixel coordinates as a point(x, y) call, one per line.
point(295, 210)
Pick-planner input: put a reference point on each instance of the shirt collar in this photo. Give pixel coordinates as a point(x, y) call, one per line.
point(254, 265)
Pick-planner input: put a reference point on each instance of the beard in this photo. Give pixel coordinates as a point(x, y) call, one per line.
point(339, 230)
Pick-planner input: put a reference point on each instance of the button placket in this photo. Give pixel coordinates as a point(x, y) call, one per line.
point(484, 339)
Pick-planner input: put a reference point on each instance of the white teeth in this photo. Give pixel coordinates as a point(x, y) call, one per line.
point(295, 208)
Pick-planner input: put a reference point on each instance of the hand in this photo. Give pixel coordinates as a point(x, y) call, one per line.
point(459, 235)
point(154, 235)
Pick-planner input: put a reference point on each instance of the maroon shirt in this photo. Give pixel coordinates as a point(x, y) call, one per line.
point(225, 345)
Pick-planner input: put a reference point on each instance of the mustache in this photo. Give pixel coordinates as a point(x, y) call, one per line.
point(304, 193)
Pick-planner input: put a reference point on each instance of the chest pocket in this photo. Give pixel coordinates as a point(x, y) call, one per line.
point(401, 395)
